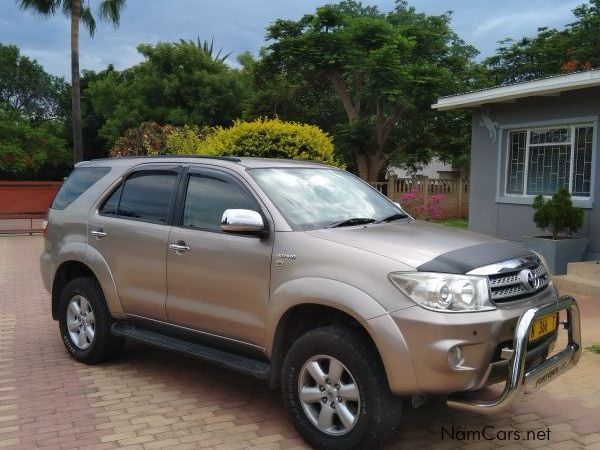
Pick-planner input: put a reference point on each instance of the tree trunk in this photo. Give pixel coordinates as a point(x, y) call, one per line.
point(75, 85)
point(370, 164)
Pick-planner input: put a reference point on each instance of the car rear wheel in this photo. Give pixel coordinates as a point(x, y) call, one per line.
point(336, 391)
point(85, 322)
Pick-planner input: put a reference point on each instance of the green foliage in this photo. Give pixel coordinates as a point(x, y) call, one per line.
point(269, 139)
point(186, 140)
point(557, 215)
point(177, 84)
point(149, 139)
point(27, 89)
point(594, 348)
point(108, 10)
point(551, 51)
point(31, 152)
point(463, 224)
point(386, 70)
point(208, 48)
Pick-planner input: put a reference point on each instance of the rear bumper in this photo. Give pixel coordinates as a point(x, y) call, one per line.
point(539, 375)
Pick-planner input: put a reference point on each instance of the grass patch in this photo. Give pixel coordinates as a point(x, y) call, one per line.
point(455, 223)
point(594, 348)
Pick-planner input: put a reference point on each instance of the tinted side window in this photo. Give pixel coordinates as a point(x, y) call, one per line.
point(147, 195)
point(79, 181)
point(207, 198)
point(111, 205)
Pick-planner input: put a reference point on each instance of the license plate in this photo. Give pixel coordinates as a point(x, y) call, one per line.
point(543, 326)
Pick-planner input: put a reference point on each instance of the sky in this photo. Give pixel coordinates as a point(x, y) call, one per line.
point(239, 25)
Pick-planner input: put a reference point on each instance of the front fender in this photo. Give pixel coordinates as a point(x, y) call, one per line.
point(357, 304)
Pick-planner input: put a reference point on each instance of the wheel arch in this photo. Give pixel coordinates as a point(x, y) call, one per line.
point(94, 267)
point(303, 304)
point(67, 271)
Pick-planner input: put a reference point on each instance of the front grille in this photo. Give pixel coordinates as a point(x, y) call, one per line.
point(512, 285)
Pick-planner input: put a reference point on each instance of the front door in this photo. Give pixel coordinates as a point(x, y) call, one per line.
point(218, 282)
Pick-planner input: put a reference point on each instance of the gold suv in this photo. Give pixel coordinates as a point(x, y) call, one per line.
point(306, 277)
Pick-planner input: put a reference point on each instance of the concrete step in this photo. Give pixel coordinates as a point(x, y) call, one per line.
point(586, 269)
point(572, 284)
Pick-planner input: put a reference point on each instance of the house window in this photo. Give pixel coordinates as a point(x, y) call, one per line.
point(543, 160)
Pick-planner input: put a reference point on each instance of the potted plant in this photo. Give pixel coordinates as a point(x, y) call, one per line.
point(559, 217)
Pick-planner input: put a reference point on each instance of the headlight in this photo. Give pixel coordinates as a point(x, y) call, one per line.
point(445, 292)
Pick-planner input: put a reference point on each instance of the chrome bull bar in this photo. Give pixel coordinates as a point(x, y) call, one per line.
point(539, 375)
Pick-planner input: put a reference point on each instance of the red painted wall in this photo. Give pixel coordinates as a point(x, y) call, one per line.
point(26, 198)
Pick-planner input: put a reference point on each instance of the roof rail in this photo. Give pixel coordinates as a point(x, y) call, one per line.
point(222, 158)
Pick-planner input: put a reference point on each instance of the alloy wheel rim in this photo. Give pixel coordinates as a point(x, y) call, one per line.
point(81, 322)
point(329, 395)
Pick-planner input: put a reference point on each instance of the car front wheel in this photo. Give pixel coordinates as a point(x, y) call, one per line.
point(336, 391)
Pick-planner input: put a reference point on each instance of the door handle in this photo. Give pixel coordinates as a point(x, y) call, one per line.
point(99, 234)
point(180, 247)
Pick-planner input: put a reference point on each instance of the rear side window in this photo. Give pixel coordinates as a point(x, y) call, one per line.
point(79, 181)
point(145, 196)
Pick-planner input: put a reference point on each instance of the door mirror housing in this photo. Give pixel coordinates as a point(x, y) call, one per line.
point(242, 221)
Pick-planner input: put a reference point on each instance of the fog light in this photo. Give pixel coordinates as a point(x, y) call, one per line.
point(455, 356)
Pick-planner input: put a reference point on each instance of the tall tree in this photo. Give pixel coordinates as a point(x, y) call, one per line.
point(177, 84)
point(386, 70)
point(78, 11)
point(27, 89)
point(576, 47)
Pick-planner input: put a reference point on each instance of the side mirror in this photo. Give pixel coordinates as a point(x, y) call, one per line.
point(242, 221)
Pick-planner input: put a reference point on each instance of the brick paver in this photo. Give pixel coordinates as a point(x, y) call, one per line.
point(152, 399)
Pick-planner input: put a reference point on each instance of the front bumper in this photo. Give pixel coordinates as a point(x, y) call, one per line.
point(536, 376)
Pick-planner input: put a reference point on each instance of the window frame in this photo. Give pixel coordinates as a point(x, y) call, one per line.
point(137, 170)
point(226, 176)
point(503, 196)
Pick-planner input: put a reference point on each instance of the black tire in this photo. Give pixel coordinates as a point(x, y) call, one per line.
point(379, 409)
point(104, 345)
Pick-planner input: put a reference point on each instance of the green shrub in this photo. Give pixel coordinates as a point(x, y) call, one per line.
point(263, 138)
point(269, 138)
point(557, 215)
point(149, 139)
point(186, 140)
point(33, 152)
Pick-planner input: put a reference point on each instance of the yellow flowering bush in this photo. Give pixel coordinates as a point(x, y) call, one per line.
point(269, 138)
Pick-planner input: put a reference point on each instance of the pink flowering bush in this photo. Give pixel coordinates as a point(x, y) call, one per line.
point(414, 203)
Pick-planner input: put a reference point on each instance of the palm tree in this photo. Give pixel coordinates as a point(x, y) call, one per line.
point(78, 11)
point(207, 48)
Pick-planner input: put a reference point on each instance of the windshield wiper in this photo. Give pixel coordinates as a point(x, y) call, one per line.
point(350, 222)
point(395, 216)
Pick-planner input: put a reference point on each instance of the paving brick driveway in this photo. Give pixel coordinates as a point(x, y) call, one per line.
point(153, 399)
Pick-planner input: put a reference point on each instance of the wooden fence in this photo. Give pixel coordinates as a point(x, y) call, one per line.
point(455, 201)
point(24, 204)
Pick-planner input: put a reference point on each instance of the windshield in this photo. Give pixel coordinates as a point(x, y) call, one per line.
point(312, 198)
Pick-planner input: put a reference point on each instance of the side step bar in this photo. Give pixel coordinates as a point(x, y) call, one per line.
point(242, 364)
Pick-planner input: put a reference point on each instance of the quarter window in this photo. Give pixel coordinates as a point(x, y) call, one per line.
point(79, 181)
point(541, 161)
point(144, 195)
point(208, 197)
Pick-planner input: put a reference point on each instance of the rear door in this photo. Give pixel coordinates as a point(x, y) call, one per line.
point(131, 230)
point(220, 283)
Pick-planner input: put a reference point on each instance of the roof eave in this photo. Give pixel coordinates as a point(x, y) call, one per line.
point(536, 88)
